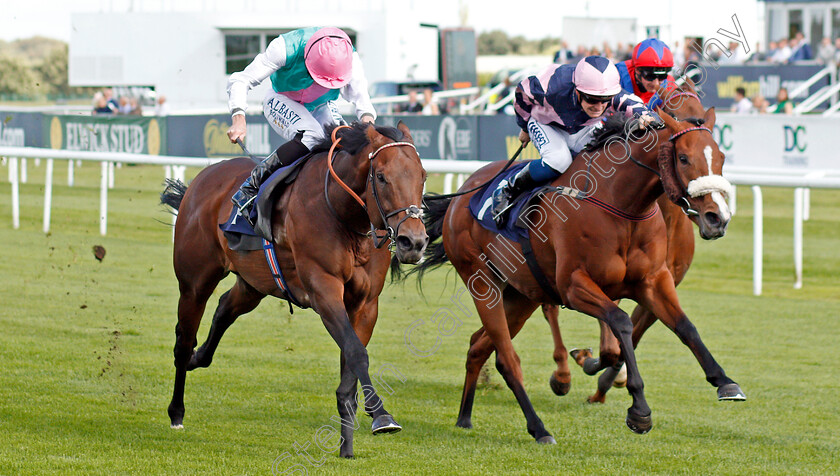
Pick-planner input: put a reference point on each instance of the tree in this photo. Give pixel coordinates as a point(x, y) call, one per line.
point(17, 79)
point(493, 43)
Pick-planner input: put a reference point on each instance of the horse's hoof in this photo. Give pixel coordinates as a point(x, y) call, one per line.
point(596, 398)
point(639, 424)
point(348, 456)
point(559, 388)
point(385, 424)
point(621, 379)
point(465, 423)
point(546, 440)
point(580, 355)
point(731, 392)
point(179, 426)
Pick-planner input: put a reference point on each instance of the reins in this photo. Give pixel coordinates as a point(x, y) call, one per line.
point(478, 187)
point(412, 211)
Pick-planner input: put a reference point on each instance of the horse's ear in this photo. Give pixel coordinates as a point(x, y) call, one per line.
point(404, 129)
point(669, 121)
point(374, 137)
point(709, 118)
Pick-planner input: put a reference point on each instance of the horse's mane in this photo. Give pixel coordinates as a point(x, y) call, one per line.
point(355, 138)
point(614, 126)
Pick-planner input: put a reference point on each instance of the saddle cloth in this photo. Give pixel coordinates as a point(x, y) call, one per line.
point(481, 206)
point(241, 236)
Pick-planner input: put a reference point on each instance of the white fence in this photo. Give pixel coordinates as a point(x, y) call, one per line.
point(175, 167)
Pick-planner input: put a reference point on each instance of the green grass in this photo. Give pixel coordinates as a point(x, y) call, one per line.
point(86, 359)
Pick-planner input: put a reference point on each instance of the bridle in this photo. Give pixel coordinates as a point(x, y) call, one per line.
point(699, 186)
point(411, 211)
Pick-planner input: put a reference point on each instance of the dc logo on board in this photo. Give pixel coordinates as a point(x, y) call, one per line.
point(795, 139)
point(723, 136)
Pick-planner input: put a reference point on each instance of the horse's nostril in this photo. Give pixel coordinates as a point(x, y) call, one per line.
point(404, 243)
point(713, 219)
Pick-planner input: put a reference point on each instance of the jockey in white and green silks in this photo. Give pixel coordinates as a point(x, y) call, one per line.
point(309, 68)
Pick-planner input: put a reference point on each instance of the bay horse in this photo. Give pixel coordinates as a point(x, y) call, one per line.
point(323, 237)
point(588, 256)
point(682, 103)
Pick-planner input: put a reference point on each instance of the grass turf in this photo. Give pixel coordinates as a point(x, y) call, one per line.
point(86, 353)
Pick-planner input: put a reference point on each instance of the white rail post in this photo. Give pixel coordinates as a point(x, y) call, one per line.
point(733, 200)
point(13, 179)
point(71, 179)
point(111, 174)
point(24, 177)
point(758, 239)
point(103, 199)
point(806, 204)
point(447, 183)
point(48, 179)
point(798, 212)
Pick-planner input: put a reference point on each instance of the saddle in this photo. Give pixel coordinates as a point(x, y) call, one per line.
point(238, 232)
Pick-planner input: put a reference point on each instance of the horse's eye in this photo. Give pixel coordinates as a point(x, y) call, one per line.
point(683, 159)
point(380, 177)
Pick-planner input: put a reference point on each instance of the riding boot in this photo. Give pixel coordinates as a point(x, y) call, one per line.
point(504, 196)
point(286, 154)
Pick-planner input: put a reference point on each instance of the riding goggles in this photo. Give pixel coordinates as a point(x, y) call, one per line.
point(594, 99)
point(650, 74)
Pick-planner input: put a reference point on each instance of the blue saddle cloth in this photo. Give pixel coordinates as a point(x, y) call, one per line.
point(240, 234)
point(481, 206)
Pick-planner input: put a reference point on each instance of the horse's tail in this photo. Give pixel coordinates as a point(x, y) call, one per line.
point(173, 193)
point(435, 255)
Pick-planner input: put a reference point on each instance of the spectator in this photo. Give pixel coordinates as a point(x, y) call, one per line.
point(125, 106)
point(783, 104)
point(109, 98)
point(100, 104)
point(837, 51)
point(413, 106)
point(772, 48)
point(782, 54)
point(430, 107)
point(759, 104)
point(679, 55)
point(161, 106)
point(742, 105)
point(800, 49)
point(735, 54)
point(826, 52)
point(136, 108)
point(563, 55)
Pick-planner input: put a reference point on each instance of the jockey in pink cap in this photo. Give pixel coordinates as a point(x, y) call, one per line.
point(558, 110)
point(309, 68)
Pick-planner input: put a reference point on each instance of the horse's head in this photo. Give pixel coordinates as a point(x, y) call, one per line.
point(395, 192)
point(690, 163)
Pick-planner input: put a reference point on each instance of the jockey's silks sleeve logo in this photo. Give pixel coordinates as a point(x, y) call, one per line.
point(538, 137)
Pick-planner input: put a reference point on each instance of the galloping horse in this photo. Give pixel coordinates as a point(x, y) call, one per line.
point(589, 256)
point(682, 103)
point(322, 229)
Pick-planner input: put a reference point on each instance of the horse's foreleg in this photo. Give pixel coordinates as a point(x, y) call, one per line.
point(345, 394)
point(561, 379)
point(240, 299)
point(660, 296)
point(586, 296)
point(480, 349)
point(326, 299)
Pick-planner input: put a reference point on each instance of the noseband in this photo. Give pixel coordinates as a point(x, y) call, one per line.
point(699, 186)
point(412, 211)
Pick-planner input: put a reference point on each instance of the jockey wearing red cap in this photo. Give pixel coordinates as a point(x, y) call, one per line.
point(647, 70)
point(308, 68)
